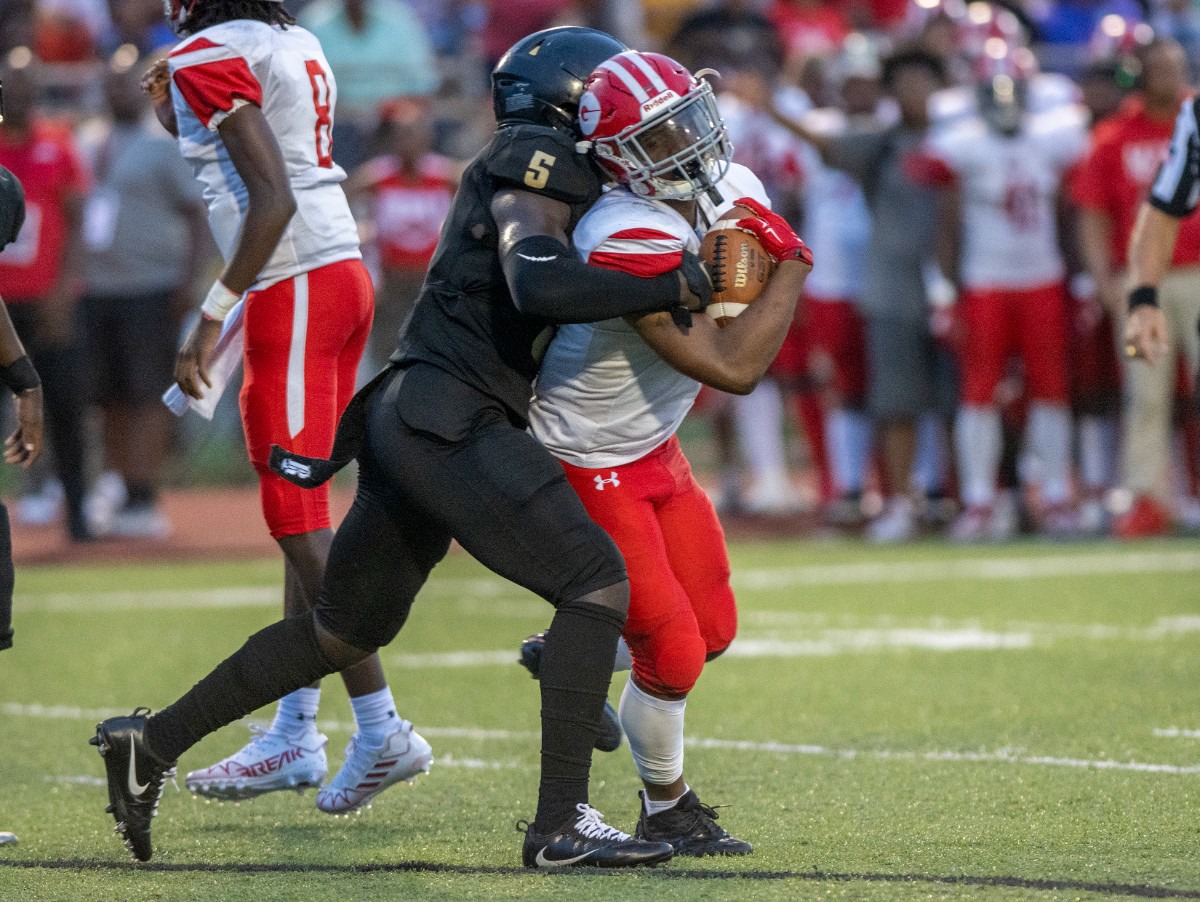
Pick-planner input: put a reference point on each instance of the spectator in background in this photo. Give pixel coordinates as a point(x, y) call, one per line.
point(17, 374)
point(838, 222)
point(408, 190)
point(998, 241)
point(1109, 187)
point(909, 374)
point(146, 233)
point(136, 22)
point(808, 27)
point(729, 36)
point(40, 271)
point(378, 50)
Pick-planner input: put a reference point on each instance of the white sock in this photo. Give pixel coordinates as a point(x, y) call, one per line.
point(624, 658)
point(297, 712)
point(848, 444)
point(1050, 440)
point(654, 727)
point(652, 807)
point(977, 439)
point(1097, 452)
point(759, 420)
point(375, 714)
point(930, 466)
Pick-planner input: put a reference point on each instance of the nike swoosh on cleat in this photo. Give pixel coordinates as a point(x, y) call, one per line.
point(134, 786)
point(544, 862)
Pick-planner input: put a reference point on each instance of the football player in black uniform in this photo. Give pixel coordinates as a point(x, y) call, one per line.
point(443, 452)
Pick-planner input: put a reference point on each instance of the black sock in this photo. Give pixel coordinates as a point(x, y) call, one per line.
point(576, 668)
point(274, 661)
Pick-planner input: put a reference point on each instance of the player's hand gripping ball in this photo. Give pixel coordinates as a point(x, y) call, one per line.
point(739, 266)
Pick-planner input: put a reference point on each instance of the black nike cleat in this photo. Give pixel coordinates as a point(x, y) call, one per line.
point(691, 829)
point(135, 778)
point(586, 841)
point(609, 739)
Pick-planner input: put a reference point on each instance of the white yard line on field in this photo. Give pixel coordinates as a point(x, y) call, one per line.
point(1176, 733)
point(1111, 561)
point(998, 756)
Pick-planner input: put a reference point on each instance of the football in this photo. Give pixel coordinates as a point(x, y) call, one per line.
point(739, 268)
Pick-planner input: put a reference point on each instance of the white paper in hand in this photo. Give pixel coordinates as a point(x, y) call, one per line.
point(226, 358)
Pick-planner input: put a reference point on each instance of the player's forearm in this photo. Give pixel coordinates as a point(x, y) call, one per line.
point(1151, 246)
point(11, 348)
point(549, 281)
point(266, 221)
point(734, 358)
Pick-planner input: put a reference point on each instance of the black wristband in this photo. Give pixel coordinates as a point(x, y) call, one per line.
point(20, 375)
point(1143, 296)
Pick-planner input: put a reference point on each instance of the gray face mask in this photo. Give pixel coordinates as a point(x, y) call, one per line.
point(12, 207)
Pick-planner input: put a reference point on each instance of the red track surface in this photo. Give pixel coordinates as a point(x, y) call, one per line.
point(208, 523)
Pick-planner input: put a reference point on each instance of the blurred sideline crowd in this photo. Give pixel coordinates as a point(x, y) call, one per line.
point(967, 174)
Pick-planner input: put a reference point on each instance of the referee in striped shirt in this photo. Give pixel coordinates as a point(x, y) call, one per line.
point(1174, 195)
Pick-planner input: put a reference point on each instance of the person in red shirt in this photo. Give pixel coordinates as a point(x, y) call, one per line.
point(1109, 187)
point(808, 27)
point(39, 272)
point(408, 191)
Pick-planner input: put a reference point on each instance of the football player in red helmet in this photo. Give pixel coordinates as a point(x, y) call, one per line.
point(654, 127)
point(610, 396)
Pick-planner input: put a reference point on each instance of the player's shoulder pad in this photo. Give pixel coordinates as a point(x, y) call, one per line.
point(238, 37)
point(959, 141)
point(542, 159)
point(620, 213)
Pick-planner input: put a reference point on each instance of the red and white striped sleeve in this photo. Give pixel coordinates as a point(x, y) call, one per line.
point(214, 80)
point(639, 251)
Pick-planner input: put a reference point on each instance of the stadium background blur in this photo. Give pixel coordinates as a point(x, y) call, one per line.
point(414, 104)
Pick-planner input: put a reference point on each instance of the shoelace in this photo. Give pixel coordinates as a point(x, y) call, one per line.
point(591, 824)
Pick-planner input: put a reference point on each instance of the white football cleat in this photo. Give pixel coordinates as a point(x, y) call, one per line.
point(371, 768)
point(269, 762)
point(897, 523)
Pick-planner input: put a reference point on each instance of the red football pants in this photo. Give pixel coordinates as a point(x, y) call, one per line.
point(1033, 322)
point(304, 339)
point(681, 606)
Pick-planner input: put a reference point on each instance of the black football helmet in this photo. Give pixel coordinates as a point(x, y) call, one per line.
point(540, 78)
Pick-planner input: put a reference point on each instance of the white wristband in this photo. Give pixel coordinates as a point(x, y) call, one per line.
point(219, 302)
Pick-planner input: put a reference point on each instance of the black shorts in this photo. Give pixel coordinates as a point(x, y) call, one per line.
point(131, 342)
point(442, 461)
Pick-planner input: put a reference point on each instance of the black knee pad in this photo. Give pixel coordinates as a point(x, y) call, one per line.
point(365, 627)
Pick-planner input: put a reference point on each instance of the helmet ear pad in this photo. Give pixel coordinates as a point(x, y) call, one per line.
point(540, 78)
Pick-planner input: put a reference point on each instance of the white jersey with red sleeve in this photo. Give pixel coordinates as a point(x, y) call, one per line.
point(283, 71)
point(603, 397)
point(1010, 186)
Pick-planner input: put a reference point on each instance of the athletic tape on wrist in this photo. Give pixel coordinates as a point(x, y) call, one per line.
point(219, 302)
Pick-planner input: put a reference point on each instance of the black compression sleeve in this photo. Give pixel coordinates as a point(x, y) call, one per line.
point(548, 280)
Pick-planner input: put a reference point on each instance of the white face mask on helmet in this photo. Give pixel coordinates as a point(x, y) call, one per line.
point(654, 127)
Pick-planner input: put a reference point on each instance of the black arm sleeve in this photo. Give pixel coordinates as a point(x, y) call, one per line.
point(548, 281)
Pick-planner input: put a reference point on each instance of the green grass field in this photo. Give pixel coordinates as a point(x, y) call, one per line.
point(920, 723)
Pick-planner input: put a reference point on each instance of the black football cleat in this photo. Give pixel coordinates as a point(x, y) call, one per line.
point(135, 778)
point(691, 828)
point(611, 735)
point(586, 841)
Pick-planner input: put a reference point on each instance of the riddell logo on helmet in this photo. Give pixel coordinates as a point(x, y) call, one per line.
point(655, 102)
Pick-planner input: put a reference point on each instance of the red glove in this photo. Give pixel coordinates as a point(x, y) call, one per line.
point(776, 236)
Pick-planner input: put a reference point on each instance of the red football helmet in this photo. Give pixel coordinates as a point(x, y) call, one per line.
point(654, 126)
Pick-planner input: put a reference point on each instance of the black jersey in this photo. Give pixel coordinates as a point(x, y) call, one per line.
point(465, 321)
